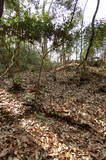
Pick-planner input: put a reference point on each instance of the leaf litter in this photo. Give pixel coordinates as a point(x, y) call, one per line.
point(66, 121)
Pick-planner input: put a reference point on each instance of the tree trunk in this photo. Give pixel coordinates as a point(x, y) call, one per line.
point(1, 7)
point(76, 51)
point(64, 54)
point(92, 36)
point(93, 32)
point(18, 43)
point(45, 48)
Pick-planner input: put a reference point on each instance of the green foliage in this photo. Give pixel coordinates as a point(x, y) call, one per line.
point(11, 4)
point(22, 28)
point(100, 34)
point(28, 56)
point(47, 64)
point(28, 28)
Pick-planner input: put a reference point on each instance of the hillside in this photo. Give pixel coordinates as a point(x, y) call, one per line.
point(61, 119)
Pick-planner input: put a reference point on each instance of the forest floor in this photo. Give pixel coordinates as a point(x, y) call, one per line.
point(63, 119)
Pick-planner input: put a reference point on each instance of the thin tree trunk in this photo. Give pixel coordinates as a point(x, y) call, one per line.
point(76, 52)
point(82, 30)
point(18, 42)
point(50, 6)
point(45, 48)
point(93, 31)
point(92, 35)
point(64, 54)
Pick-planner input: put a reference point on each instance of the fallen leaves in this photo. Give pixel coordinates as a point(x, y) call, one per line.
point(65, 122)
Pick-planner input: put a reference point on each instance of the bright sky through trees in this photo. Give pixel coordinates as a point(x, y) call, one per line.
point(90, 9)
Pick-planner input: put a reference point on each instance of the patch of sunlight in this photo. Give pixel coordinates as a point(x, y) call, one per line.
point(44, 136)
point(10, 104)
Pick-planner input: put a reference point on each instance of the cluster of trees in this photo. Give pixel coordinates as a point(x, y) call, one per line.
point(36, 32)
